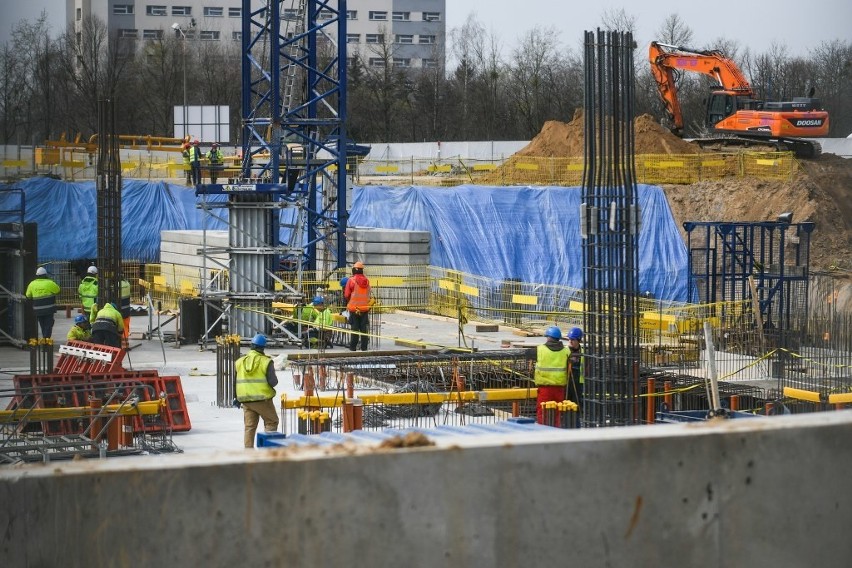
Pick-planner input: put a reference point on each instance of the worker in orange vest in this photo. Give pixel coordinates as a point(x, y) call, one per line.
point(358, 302)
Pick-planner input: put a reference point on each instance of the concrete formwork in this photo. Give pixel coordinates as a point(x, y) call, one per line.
point(747, 492)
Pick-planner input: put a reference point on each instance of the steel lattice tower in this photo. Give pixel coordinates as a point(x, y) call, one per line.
point(293, 173)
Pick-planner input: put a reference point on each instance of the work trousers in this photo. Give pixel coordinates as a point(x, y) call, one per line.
point(252, 413)
point(548, 393)
point(359, 322)
point(46, 324)
point(196, 172)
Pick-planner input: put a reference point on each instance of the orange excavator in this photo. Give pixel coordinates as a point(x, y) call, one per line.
point(732, 113)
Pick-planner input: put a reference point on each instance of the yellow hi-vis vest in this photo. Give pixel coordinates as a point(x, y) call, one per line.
point(551, 367)
point(88, 290)
point(251, 377)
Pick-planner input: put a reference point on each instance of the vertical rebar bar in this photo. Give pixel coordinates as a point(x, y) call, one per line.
point(610, 221)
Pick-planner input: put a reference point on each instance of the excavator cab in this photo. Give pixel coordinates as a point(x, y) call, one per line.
point(720, 106)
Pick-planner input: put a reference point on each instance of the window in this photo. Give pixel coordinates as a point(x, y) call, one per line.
point(427, 39)
point(351, 14)
point(152, 34)
point(430, 63)
point(126, 33)
point(401, 16)
point(375, 38)
point(377, 62)
point(119, 9)
point(155, 10)
point(79, 14)
point(353, 38)
point(213, 12)
point(237, 36)
point(181, 10)
point(431, 16)
point(401, 62)
point(235, 12)
point(378, 16)
point(291, 14)
point(209, 35)
point(325, 14)
point(402, 38)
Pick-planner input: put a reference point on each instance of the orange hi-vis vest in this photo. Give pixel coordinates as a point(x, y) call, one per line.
point(359, 301)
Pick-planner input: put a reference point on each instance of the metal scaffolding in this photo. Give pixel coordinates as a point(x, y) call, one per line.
point(610, 222)
point(287, 211)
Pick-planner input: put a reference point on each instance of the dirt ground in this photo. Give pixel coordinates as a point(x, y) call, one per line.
point(820, 192)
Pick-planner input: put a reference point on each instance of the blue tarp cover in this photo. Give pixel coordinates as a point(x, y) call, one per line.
point(528, 233)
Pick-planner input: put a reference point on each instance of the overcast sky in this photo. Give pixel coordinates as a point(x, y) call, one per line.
point(798, 24)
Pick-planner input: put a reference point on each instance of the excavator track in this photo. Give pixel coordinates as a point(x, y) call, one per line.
point(804, 149)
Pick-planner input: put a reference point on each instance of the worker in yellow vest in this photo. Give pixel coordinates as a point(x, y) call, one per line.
point(81, 330)
point(551, 370)
point(108, 326)
point(255, 389)
point(43, 291)
point(88, 290)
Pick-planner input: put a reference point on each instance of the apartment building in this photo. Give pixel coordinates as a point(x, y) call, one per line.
point(400, 33)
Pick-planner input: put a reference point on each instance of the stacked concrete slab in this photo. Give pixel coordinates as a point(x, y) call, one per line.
point(179, 257)
point(396, 254)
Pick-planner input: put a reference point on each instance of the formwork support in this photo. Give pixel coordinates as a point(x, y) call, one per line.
point(610, 221)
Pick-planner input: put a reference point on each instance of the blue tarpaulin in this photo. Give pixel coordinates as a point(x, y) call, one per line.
point(527, 233)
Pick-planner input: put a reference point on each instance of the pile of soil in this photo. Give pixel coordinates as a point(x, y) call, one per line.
point(560, 139)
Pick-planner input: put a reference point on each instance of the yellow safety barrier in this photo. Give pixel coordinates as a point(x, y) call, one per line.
point(146, 408)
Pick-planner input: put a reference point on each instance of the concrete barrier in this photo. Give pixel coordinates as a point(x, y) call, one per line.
point(762, 492)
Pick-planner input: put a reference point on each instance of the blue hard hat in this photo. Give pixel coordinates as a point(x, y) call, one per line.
point(259, 340)
point(553, 332)
point(575, 333)
point(318, 300)
point(81, 319)
point(343, 281)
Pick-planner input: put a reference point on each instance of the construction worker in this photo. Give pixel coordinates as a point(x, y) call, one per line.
point(358, 303)
point(42, 291)
point(216, 161)
point(88, 290)
point(108, 326)
point(576, 376)
point(186, 167)
point(551, 370)
point(304, 313)
point(195, 156)
point(323, 325)
point(124, 307)
point(81, 330)
point(255, 388)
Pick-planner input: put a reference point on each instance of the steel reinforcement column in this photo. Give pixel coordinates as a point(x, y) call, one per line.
point(610, 228)
point(109, 206)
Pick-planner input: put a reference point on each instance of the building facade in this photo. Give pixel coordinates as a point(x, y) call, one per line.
point(399, 33)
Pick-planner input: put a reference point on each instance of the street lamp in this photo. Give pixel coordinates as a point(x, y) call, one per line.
point(178, 28)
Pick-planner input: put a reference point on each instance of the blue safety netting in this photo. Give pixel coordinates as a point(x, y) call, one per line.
point(527, 233)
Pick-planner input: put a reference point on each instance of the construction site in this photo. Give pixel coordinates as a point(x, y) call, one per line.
point(710, 278)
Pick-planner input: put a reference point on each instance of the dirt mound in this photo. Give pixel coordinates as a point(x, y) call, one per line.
point(818, 193)
point(560, 139)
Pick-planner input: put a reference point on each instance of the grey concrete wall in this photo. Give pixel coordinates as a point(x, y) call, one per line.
point(748, 492)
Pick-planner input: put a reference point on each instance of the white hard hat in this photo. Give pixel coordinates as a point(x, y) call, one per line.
point(41, 271)
point(92, 270)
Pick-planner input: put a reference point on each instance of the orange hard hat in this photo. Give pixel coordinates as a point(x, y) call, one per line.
point(196, 142)
point(358, 264)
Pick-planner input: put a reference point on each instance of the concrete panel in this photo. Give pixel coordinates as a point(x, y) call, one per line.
point(748, 492)
point(372, 248)
point(214, 238)
point(387, 259)
point(354, 234)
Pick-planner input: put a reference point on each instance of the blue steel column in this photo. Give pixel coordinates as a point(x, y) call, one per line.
point(343, 69)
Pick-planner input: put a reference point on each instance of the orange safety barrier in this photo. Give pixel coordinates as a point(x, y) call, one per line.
point(83, 357)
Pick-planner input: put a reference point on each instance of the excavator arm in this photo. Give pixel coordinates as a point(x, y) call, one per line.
point(665, 59)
